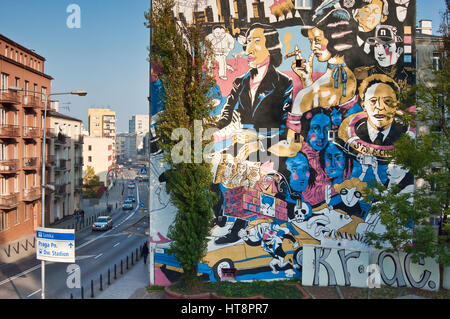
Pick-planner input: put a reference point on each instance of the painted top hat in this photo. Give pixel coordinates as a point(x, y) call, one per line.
point(384, 34)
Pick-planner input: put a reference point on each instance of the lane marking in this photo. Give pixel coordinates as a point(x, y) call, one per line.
point(98, 256)
point(34, 293)
point(116, 245)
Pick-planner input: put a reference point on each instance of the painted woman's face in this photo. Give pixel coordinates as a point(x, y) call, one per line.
point(350, 196)
point(318, 132)
point(319, 44)
point(299, 168)
point(334, 161)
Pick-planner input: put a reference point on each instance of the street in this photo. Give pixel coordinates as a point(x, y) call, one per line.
point(96, 252)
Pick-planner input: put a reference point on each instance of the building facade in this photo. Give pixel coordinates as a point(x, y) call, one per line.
point(21, 128)
point(98, 153)
point(126, 146)
point(139, 124)
point(66, 162)
point(102, 122)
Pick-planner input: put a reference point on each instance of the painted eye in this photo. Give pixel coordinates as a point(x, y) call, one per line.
point(343, 191)
point(358, 194)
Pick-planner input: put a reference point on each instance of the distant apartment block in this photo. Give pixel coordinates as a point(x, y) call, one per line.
point(21, 128)
point(126, 146)
point(102, 122)
point(98, 153)
point(139, 124)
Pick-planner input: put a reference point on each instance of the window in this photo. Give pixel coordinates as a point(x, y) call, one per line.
point(4, 80)
point(303, 4)
point(16, 217)
point(21, 55)
point(6, 51)
point(3, 221)
point(17, 82)
point(26, 214)
point(89, 159)
point(26, 86)
point(89, 147)
point(43, 91)
point(35, 89)
point(437, 65)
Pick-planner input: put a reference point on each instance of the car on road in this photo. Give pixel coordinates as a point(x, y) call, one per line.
point(131, 185)
point(127, 205)
point(132, 198)
point(103, 223)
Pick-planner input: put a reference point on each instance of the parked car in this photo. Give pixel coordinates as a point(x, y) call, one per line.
point(103, 223)
point(131, 185)
point(127, 205)
point(132, 198)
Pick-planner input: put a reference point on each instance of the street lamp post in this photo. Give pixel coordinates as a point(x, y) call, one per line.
point(46, 96)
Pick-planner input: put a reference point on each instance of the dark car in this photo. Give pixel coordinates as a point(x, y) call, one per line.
point(132, 198)
point(103, 223)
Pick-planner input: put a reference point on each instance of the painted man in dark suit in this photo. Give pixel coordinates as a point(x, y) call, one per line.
point(262, 96)
point(378, 95)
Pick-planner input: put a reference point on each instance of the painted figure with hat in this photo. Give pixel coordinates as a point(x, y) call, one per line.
point(332, 35)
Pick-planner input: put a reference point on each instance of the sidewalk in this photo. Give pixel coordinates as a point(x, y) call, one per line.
point(23, 247)
point(131, 285)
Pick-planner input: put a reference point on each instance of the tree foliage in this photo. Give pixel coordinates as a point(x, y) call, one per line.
point(406, 216)
point(181, 54)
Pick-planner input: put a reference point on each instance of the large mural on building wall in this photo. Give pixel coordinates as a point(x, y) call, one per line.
point(306, 106)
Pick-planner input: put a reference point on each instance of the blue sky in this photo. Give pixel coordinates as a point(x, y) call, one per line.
point(107, 55)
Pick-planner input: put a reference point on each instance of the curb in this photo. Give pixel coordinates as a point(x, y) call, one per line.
point(212, 295)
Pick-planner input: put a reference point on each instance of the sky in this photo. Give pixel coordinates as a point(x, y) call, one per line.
point(107, 55)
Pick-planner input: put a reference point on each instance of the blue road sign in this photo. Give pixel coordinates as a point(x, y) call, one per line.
point(144, 171)
point(55, 244)
point(141, 204)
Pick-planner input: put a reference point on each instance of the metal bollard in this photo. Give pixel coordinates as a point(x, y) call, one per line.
point(132, 259)
point(101, 282)
point(82, 292)
point(71, 296)
point(127, 262)
point(137, 254)
point(115, 273)
point(121, 267)
point(92, 289)
point(109, 277)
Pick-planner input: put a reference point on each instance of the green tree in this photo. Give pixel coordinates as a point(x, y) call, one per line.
point(181, 53)
point(91, 183)
point(427, 158)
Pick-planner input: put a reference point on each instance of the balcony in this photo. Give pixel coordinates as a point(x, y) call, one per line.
point(78, 140)
point(30, 162)
point(61, 139)
point(51, 160)
point(31, 132)
point(9, 166)
point(31, 194)
point(78, 161)
point(50, 133)
point(9, 97)
point(62, 189)
point(64, 165)
point(8, 201)
point(9, 131)
point(31, 101)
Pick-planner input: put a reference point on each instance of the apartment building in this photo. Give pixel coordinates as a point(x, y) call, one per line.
point(139, 124)
point(21, 124)
point(66, 162)
point(98, 153)
point(102, 122)
point(126, 146)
